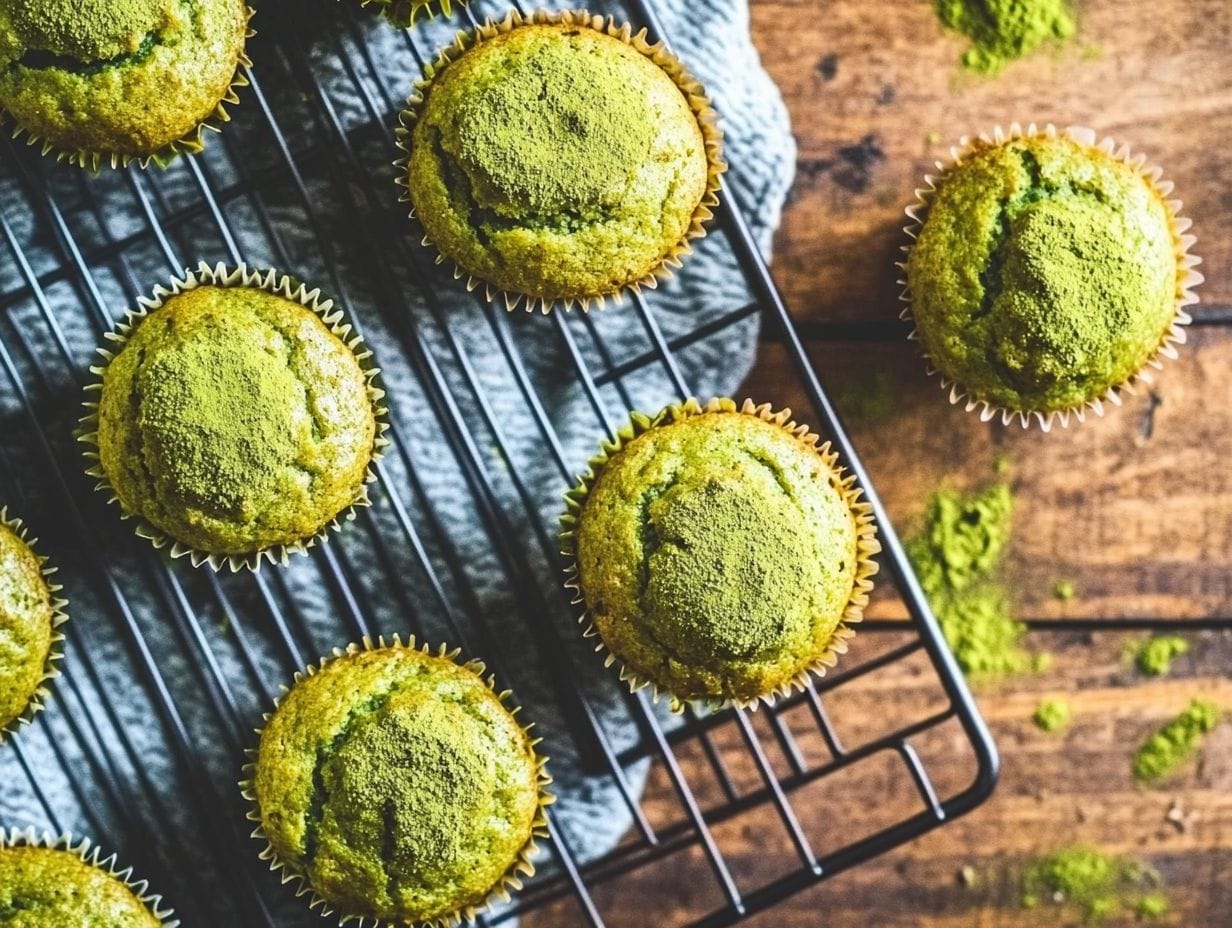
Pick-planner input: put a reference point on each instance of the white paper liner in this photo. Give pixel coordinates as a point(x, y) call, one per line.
point(867, 545)
point(94, 856)
point(1187, 277)
point(510, 881)
point(694, 93)
point(403, 13)
point(190, 143)
point(59, 616)
point(276, 283)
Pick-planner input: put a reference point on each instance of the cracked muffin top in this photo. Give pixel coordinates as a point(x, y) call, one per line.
point(556, 161)
point(234, 421)
point(118, 77)
point(26, 616)
point(716, 556)
point(41, 887)
point(397, 783)
point(1045, 273)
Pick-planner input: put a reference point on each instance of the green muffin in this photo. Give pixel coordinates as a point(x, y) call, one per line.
point(1045, 273)
point(43, 887)
point(27, 626)
point(719, 553)
point(118, 79)
point(555, 161)
point(234, 421)
point(396, 783)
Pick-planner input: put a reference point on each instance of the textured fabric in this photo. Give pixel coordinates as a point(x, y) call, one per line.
point(365, 70)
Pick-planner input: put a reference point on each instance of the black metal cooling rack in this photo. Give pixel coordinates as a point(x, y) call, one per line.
point(212, 651)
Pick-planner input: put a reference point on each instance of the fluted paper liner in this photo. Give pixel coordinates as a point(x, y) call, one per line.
point(1187, 277)
point(690, 87)
point(867, 545)
point(94, 856)
point(59, 616)
point(281, 285)
point(404, 12)
point(510, 881)
point(190, 143)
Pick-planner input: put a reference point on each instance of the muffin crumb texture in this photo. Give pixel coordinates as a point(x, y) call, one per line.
point(556, 161)
point(234, 420)
point(716, 555)
point(26, 615)
point(48, 888)
point(398, 784)
point(92, 76)
point(1045, 273)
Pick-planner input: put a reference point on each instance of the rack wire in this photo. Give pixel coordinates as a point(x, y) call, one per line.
point(154, 776)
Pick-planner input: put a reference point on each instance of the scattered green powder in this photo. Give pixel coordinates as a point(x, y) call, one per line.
point(1003, 30)
point(1064, 590)
point(1154, 658)
point(1153, 906)
point(1098, 885)
point(1052, 715)
point(957, 557)
point(933, 138)
point(1169, 748)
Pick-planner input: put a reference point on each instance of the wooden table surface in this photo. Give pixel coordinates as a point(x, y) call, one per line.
point(1134, 508)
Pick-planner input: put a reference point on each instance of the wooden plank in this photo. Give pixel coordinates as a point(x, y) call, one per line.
point(868, 83)
point(1073, 787)
point(1134, 507)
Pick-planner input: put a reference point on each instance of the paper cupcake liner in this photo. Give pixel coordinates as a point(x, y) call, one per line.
point(510, 881)
point(190, 143)
point(55, 653)
point(1187, 277)
point(276, 283)
point(694, 93)
point(403, 13)
point(94, 856)
point(867, 545)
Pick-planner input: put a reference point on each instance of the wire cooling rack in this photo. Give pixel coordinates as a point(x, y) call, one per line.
point(153, 775)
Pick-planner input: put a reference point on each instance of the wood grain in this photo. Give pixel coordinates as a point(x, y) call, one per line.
point(1135, 508)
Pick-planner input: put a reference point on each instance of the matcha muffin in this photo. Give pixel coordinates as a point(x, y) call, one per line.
point(235, 419)
point(29, 616)
point(720, 553)
point(43, 886)
point(558, 158)
point(395, 783)
point(1045, 274)
point(112, 80)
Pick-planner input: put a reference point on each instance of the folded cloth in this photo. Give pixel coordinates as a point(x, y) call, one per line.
point(496, 577)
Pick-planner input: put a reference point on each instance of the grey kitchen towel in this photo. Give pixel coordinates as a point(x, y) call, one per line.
point(459, 543)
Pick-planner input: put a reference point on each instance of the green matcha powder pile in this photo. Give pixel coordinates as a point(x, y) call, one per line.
point(1003, 30)
point(957, 557)
point(1097, 885)
point(1168, 749)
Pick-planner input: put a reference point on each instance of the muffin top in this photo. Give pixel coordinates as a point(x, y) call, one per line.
point(716, 555)
point(234, 420)
point(93, 75)
point(25, 625)
point(556, 161)
point(1045, 273)
point(41, 887)
point(398, 784)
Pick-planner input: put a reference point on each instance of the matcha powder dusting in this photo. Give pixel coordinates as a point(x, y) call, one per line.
point(1003, 30)
point(957, 556)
